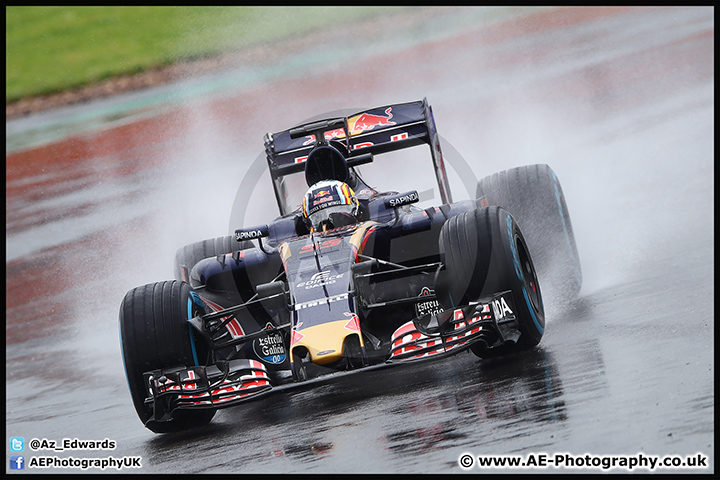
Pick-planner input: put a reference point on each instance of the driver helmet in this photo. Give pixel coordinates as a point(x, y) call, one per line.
point(329, 204)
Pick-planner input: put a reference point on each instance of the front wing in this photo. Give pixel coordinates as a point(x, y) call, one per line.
point(491, 320)
point(214, 386)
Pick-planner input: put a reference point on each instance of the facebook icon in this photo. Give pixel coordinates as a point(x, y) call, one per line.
point(17, 462)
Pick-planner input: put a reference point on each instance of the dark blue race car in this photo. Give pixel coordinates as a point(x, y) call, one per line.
point(352, 278)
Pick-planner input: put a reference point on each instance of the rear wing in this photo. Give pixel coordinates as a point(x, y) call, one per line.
point(364, 134)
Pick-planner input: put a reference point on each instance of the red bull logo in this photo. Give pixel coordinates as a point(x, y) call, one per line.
point(321, 193)
point(337, 133)
point(367, 121)
point(356, 125)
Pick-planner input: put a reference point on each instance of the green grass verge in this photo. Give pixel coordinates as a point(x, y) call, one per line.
point(51, 49)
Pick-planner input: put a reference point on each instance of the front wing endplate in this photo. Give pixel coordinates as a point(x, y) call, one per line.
point(455, 329)
point(205, 387)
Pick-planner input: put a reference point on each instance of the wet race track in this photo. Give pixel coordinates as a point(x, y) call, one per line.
point(619, 102)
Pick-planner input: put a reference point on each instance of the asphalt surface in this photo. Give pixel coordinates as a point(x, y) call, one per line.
point(620, 103)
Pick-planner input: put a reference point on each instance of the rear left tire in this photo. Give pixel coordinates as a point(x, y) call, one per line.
point(534, 197)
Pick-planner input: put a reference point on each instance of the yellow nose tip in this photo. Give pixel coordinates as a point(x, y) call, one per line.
point(325, 343)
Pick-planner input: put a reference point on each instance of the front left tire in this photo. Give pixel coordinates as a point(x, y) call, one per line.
point(154, 334)
point(484, 252)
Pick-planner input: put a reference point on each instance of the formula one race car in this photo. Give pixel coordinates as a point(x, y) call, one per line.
point(350, 279)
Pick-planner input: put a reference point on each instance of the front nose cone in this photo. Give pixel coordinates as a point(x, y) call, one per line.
point(325, 343)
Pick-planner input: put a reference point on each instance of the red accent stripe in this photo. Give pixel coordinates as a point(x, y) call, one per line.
point(365, 238)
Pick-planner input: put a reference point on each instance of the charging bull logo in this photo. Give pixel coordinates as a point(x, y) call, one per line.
point(367, 121)
point(358, 124)
point(320, 193)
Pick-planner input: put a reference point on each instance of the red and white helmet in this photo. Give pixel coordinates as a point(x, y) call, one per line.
point(330, 204)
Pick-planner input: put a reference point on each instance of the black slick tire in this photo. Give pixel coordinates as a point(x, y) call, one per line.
point(534, 197)
point(186, 257)
point(484, 252)
point(154, 334)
